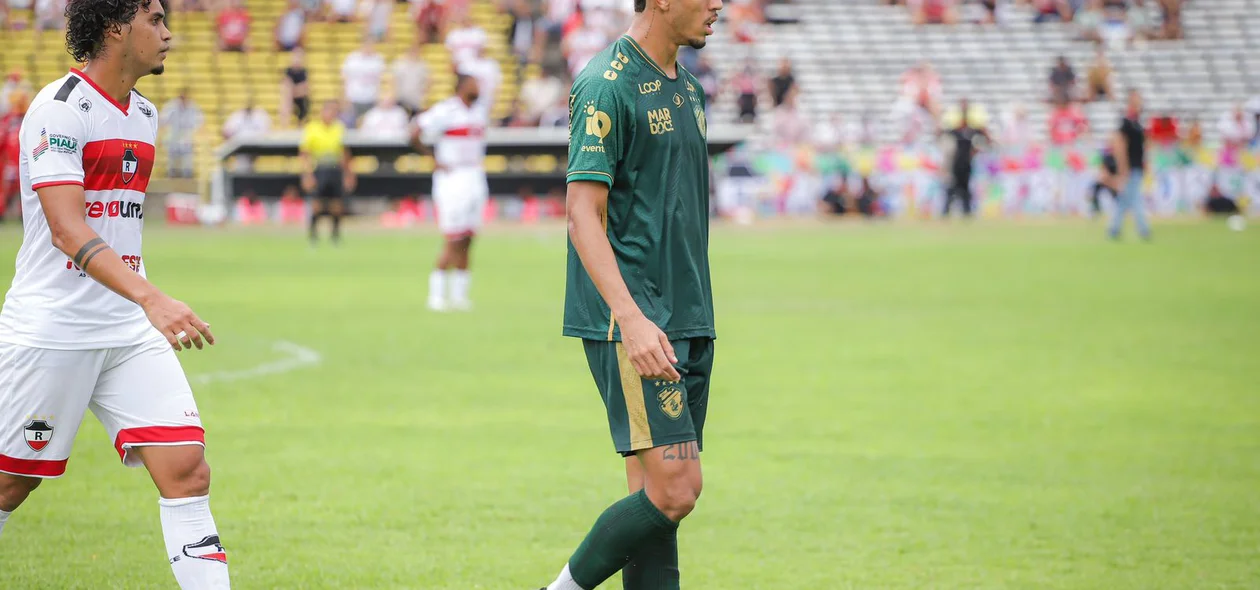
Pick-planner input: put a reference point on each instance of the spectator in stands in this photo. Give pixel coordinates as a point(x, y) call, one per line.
point(250, 121)
point(313, 9)
point(1236, 129)
point(430, 20)
point(860, 133)
point(12, 83)
point(15, 105)
point(1089, 21)
point(49, 16)
point(295, 90)
point(557, 115)
point(933, 12)
point(922, 86)
point(782, 82)
point(386, 119)
point(291, 28)
point(377, 14)
point(709, 82)
point(341, 11)
point(988, 12)
point(411, 79)
point(1253, 111)
point(1067, 123)
point(538, 94)
point(837, 200)
point(790, 127)
point(1099, 78)
point(465, 40)
point(1139, 21)
point(744, 17)
point(745, 86)
point(1170, 21)
point(581, 44)
point(1048, 11)
point(828, 133)
point(1016, 133)
point(181, 118)
point(361, 73)
point(1062, 81)
point(232, 25)
point(523, 36)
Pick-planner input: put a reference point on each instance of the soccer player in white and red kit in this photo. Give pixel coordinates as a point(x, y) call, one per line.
point(81, 326)
point(456, 127)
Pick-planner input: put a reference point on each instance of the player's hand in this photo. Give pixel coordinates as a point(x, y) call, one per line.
point(350, 181)
point(649, 349)
point(177, 322)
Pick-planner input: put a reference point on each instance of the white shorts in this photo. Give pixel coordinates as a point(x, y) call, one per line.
point(460, 196)
point(139, 393)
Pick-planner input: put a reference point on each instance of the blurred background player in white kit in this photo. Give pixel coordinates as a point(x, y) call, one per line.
point(81, 326)
point(456, 129)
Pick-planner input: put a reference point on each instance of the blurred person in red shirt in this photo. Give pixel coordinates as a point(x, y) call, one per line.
point(1164, 130)
point(10, 125)
point(233, 26)
point(934, 12)
point(1067, 123)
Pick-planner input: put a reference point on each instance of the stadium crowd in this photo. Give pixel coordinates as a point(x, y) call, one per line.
point(558, 37)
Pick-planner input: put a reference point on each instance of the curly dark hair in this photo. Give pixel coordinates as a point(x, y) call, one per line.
point(89, 21)
point(640, 5)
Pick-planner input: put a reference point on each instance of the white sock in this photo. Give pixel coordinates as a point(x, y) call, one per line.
point(4, 516)
point(565, 581)
point(459, 285)
point(192, 544)
point(437, 285)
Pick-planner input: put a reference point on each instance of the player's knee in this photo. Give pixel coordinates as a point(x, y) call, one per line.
point(190, 480)
point(677, 499)
point(14, 490)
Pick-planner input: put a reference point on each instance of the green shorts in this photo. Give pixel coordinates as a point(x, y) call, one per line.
point(646, 413)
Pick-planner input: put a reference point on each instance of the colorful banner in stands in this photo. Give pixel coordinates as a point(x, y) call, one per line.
point(1034, 181)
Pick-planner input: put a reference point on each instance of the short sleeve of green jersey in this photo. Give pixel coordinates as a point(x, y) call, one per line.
point(595, 131)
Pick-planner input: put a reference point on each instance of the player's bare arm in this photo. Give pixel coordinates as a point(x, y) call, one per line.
point(348, 179)
point(308, 172)
point(1120, 150)
point(647, 346)
point(63, 207)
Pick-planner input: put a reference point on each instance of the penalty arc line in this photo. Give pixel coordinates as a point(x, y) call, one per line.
point(298, 356)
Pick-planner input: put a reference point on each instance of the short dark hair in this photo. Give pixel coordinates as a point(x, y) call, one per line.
point(640, 5)
point(89, 21)
point(460, 79)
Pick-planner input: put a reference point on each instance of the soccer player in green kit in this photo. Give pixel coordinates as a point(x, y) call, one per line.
point(638, 292)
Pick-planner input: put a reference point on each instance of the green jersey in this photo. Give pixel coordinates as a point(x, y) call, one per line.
point(643, 134)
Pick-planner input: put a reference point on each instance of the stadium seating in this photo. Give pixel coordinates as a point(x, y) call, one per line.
point(849, 57)
point(221, 83)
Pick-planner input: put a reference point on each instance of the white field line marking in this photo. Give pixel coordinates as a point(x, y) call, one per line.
point(298, 356)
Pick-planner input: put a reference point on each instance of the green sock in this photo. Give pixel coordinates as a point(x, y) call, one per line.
point(619, 533)
point(655, 567)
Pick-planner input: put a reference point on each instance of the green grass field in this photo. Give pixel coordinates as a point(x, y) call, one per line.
point(895, 406)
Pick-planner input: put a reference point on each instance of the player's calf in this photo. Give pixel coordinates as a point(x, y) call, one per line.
point(14, 489)
point(182, 476)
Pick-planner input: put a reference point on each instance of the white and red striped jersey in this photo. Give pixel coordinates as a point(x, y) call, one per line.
point(75, 133)
point(457, 132)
